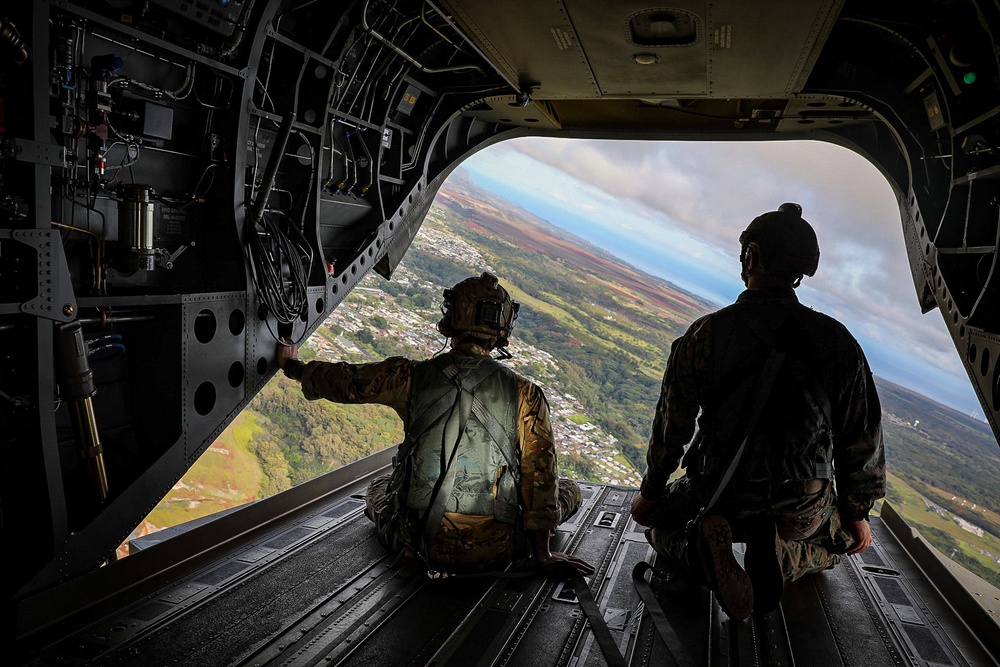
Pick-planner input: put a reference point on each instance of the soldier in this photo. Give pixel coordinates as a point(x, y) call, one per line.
point(788, 456)
point(474, 483)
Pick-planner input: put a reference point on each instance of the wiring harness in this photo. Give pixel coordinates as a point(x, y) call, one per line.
point(280, 260)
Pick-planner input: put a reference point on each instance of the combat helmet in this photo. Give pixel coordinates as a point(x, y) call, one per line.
point(785, 243)
point(481, 308)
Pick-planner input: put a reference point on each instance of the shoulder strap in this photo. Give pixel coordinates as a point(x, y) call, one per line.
point(598, 626)
point(764, 383)
point(496, 431)
point(673, 642)
point(453, 431)
point(420, 422)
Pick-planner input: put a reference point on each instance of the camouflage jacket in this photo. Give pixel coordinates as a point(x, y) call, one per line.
point(724, 349)
point(388, 383)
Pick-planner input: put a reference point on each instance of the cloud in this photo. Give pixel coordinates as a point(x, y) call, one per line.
point(696, 198)
point(719, 187)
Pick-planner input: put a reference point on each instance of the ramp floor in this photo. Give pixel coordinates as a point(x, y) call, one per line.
point(321, 591)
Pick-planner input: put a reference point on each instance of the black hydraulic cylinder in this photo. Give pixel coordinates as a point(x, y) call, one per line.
point(76, 387)
point(271, 169)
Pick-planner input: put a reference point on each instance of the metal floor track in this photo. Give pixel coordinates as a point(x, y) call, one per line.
point(317, 589)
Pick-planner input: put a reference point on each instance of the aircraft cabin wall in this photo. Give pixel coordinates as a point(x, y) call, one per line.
point(183, 183)
point(934, 81)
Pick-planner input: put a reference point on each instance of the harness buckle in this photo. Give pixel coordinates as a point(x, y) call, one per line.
point(437, 575)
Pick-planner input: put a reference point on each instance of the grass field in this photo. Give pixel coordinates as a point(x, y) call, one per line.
point(912, 505)
point(225, 476)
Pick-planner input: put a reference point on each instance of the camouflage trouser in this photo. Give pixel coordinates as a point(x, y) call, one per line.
point(461, 542)
point(810, 535)
point(570, 498)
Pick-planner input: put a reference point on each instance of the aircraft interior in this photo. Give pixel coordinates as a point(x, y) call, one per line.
point(185, 181)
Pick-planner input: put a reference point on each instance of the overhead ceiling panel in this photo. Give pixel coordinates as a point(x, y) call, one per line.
point(765, 54)
point(563, 49)
point(651, 51)
point(539, 49)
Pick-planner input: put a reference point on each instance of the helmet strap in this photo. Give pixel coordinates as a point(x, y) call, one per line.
point(745, 256)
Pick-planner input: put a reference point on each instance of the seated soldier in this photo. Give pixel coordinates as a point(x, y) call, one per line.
point(476, 471)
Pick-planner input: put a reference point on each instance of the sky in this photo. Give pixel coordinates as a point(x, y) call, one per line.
point(676, 210)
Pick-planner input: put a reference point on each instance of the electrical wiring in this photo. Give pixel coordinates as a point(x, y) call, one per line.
point(335, 147)
point(129, 158)
point(281, 258)
point(194, 197)
point(271, 252)
point(98, 242)
point(354, 162)
point(181, 93)
point(265, 97)
point(104, 348)
point(422, 133)
point(361, 65)
point(368, 156)
point(222, 91)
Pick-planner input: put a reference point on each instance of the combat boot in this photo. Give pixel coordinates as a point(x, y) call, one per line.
point(710, 550)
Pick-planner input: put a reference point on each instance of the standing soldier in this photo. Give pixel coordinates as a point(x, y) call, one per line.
point(788, 456)
point(475, 483)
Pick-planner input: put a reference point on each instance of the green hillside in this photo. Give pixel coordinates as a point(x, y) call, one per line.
point(227, 475)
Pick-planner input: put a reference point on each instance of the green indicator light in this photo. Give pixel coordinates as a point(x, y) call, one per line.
point(969, 78)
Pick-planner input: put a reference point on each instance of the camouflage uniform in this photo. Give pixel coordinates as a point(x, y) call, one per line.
point(462, 542)
point(842, 419)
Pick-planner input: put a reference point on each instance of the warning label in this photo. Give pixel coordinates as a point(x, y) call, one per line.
point(564, 39)
point(723, 36)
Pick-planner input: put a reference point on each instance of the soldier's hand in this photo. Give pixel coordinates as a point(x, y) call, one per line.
point(286, 351)
point(556, 560)
point(640, 510)
point(862, 533)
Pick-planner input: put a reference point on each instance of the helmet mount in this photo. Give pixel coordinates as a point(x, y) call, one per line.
point(479, 308)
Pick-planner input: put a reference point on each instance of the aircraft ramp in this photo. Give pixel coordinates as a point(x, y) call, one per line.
point(307, 584)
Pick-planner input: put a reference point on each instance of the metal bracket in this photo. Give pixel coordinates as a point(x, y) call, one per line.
point(25, 150)
point(617, 619)
point(607, 519)
point(166, 260)
point(55, 299)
